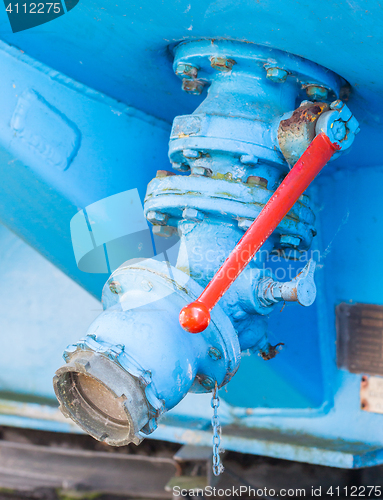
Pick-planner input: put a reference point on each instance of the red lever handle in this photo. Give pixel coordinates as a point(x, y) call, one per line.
point(195, 317)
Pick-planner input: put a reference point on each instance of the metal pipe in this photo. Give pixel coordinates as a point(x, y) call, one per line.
point(195, 317)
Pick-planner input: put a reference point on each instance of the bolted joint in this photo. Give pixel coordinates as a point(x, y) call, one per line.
point(186, 71)
point(316, 92)
point(191, 154)
point(115, 287)
point(164, 173)
point(164, 231)
point(289, 241)
point(276, 75)
point(204, 171)
point(339, 130)
point(244, 224)
point(214, 353)
point(249, 159)
point(181, 167)
point(222, 63)
point(194, 87)
point(157, 217)
point(254, 180)
point(192, 214)
point(338, 124)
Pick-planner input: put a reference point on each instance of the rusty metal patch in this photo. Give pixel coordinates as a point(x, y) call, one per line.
point(296, 133)
point(371, 394)
point(360, 338)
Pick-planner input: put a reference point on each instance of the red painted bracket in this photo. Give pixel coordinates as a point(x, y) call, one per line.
point(195, 317)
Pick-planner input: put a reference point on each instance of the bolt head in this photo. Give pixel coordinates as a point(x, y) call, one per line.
point(214, 353)
point(289, 241)
point(339, 130)
point(164, 173)
point(206, 172)
point(222, 64)
point(317, 92)
point(186, 70)
point(338, 104)
point(115, 287)
point(192, 214)
point(254, 180)
point(207, 382)
point(276, 75)
point(249, 159)
point(157, 217)
point(191, 154)
point(164, 231)
point(244, 224)
point(181, 167)
point(194, 87)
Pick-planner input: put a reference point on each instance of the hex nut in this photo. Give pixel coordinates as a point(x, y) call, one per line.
point(157, 217)
point(276, 75)
point(249, 159)
point(254, 180)
point(222, 63)
point(115, 287)
point(214, 353)
point(338, 104)
point(164, 231)
point(194, 87)
point(317, 92)
point(191, 154)
point(192, 214)
point(206, 382)
point(204, 171)
point(289, 241)
point(164, 173)
point(186, 70)
point(244, 224)
point(181, 167)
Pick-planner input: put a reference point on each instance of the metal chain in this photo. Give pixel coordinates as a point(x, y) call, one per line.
point(217, 465)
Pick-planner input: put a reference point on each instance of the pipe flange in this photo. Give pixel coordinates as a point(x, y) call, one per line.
point(222, 199)
point(252, 58)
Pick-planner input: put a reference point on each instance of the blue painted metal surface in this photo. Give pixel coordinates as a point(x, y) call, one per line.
point(62, 145)
point(230, 136)
point(111, 147)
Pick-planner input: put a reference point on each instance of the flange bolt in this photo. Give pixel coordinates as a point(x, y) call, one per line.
point(316, 92)
point(276, 75)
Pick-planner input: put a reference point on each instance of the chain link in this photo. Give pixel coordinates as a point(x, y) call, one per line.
point(217, 465)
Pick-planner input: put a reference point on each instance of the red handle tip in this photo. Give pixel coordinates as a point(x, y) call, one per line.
point(195, 317)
